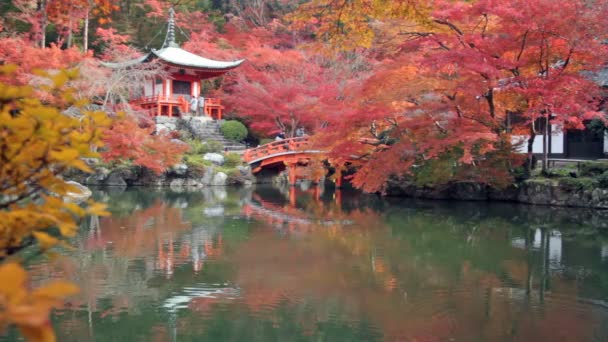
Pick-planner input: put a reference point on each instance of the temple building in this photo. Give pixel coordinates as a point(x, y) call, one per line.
point(171, 94)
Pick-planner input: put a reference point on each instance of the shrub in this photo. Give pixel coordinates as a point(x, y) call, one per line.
point(559, 173)
point(212, 146)
point(575, 184)
point(232, 160)
point(198, 147)
point(602, 180)
point(234, 130)
point(593, 168)
point(196, 161)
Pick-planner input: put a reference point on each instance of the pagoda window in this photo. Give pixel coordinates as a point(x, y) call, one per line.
point(182, 88)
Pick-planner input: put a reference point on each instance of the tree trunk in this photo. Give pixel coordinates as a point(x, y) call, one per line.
point(70, 34)
point(546, 145)
point(85, 44)
point(529, 164)
point(43, 22)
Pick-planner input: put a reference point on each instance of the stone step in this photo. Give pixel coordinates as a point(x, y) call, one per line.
point(210, 130)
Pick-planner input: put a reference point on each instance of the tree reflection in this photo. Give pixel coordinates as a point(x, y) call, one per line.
point(236, 265)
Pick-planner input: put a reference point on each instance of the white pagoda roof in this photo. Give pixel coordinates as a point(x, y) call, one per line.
point(181, 57)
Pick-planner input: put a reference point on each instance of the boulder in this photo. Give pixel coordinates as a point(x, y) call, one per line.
point(216, 211)
point(161, 129)
point(219, 179)
point(149, 178)
point(115, 179)
point(82, 193)
point(180, 169)
point(215, 158)
point(245, 170)
point(192, 183)
point(98, 178)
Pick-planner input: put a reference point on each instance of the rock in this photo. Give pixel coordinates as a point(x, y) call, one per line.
point(219, 179)
point(129, 174)
point(469, 191)
point(149, 178)
point(215, 158)
point(82, 193)
point(507, 194)
point(217, 211)
point(115, 179)
point(192, 183)
point(99, 177)
point(161, 129)
point(536, 191)
point(177, 184)
point(179, 142)
point(207, 178)
point(166, 119)
point(245, 170)
point(180, 169)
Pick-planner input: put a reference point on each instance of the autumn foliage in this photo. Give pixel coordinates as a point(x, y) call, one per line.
point(126, 141)
point(38, 143)
point(447, 84)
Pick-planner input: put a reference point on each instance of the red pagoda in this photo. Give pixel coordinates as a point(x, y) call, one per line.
point(171, 95)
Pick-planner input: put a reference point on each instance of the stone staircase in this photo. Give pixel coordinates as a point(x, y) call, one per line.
point(209, 130)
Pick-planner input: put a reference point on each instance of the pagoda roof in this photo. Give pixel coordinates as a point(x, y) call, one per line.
point(180, 58)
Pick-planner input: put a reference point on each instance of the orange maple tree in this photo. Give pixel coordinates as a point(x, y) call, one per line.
point(442, 94)
point(126, 141)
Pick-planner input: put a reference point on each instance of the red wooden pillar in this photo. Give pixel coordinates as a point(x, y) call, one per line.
point(292, 196)
point(317, 193)
point(291, 171)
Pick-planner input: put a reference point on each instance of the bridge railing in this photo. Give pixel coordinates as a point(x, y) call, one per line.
point(275, 147)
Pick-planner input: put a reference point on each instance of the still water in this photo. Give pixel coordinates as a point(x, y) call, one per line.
point(266, 265)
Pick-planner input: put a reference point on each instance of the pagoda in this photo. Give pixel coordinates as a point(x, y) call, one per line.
point(171, 94)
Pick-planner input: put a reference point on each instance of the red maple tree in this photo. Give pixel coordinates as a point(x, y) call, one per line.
point(444, 94)
point(127, 141)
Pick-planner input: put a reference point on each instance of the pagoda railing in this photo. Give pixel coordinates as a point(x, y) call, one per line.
point(275, 147)
point(155, 99)
point(212, 106)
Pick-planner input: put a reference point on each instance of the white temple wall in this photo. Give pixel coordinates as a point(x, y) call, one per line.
point(557, 142)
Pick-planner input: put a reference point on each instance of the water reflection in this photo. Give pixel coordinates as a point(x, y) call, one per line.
point(313, 264)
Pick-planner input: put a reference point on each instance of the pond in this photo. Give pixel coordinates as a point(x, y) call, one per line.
point(267, 264)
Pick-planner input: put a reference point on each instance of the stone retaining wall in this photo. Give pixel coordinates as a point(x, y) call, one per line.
point(533, 191)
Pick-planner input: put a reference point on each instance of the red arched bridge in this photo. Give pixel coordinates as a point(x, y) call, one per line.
point(292, 153)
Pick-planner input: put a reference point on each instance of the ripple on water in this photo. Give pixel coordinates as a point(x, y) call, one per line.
point(184, 298)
